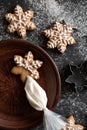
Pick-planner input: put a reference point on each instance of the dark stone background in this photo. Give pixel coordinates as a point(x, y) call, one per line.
point(74, 12)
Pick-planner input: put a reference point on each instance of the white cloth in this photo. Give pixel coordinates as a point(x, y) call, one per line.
point(35, 94)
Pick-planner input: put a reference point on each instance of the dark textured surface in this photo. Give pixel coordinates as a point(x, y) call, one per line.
point(78, 77)
point(47, 11)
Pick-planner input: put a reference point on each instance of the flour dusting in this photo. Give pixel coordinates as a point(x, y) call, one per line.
point(72, 13)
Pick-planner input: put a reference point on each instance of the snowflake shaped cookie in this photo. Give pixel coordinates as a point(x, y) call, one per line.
point(71, 124)
point(59, 36)
point(20, 21)
point(78, 77)
point(26, 66)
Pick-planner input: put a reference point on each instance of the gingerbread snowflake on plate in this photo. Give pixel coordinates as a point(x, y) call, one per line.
point(20, 21)
point(59, 36)
point(71, 124)
point(26, 66)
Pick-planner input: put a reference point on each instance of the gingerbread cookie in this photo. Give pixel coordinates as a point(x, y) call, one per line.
point(59, 36)
point(71, 124)
point(20, 21)
point(26, 66)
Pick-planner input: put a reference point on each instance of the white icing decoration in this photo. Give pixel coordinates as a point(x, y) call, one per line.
point(59, 36)
point(28, 63)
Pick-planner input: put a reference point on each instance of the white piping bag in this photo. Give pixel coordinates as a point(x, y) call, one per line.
point(38, 100)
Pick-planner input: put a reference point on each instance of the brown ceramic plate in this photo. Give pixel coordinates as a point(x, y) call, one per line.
point(15, 111)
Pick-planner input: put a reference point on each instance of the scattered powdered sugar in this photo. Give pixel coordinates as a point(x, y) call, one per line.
point(46, 12)
point(73, 106)
point(82, 47)
point(71, 12)
point(3, 34)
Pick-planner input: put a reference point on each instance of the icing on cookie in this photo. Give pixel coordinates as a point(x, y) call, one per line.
point(20, 21)
point(59, 36)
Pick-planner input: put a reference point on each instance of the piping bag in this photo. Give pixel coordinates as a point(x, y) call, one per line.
point(38, 100)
